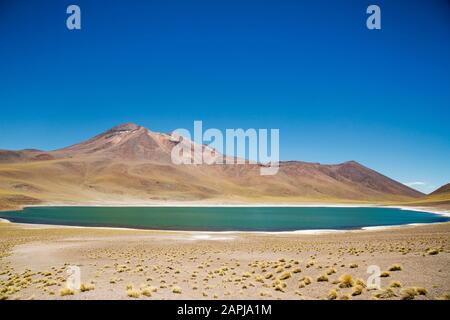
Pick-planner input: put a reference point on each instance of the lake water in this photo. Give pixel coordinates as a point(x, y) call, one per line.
point(222, 218)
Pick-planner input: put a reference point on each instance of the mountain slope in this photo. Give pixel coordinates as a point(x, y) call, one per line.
point(129, 163)
point(443, 191)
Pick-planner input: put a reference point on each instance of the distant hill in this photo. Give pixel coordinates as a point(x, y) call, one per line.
point(438, 198)
point(130, 163)
point(442, 191)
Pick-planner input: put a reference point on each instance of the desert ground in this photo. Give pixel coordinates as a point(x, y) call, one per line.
point(140, 264)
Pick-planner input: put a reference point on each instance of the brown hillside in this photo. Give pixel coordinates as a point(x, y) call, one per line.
point(129, 163)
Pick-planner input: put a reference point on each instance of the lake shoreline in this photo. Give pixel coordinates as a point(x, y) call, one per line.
point(224, 266)
point(437, 211)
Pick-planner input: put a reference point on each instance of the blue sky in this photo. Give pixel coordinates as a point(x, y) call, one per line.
point(336, 90)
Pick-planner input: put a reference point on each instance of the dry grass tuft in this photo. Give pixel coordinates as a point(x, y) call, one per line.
point(331, 271)
point(360, 282)
point(322, 278)
point(132, 293)
point(66, 292)
point(395, 284)
point(395, 267)
point(307, 280)
point(87, 287)
point(346, 281)
point(421, 291)
point(408, 293)
point(332, 295)
point(385, 274)
point(357, 290)
point(146, 292)
point(385, 294)
point(176, 290)
point(285, 275)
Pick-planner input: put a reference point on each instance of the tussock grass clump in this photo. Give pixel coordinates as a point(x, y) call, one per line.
point(432, 252)
point(353, 266)
point(322, 278)
point(246, 275)
point(395, 267)
point(146, 292)
point(408, 293)
point(444, 297)
point(285, 275)
point(357, 290)
point(66, 292)
point(385, 294)
point(307, 280)
point(132, 293)
point(268, 276)
point(345, 297)
point(297, 270)
point(87, 287)
point(421, 291)
point(176, 290)
point(279, 287)
point(259, 278)
point(265, 294)
point(346, 281)
point(385, 274)
point(332, 295)
point(279, 270)
point(360, 282)
point(331, 271)
point(395, 284)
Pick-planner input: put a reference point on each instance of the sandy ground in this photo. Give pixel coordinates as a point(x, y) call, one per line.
point(132, 264)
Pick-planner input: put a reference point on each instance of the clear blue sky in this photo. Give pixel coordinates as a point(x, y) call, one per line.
point(336, 90)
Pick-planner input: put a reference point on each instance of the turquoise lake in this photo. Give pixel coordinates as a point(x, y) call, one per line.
point(222, 218)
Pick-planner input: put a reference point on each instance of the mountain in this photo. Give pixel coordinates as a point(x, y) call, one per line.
point(131, 164)
point(443, 191)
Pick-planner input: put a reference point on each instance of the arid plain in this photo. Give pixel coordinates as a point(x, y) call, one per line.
point(132, 264)
point(130, 165)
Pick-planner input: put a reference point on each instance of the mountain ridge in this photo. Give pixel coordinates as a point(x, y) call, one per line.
point(132, 164)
